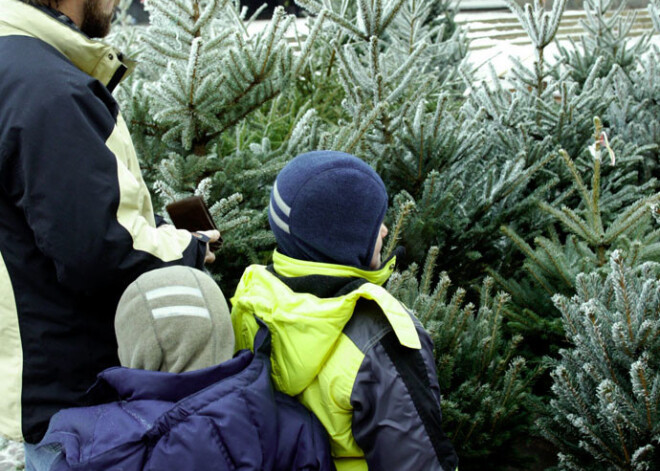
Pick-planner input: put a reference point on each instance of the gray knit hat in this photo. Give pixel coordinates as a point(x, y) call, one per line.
point(173, 319)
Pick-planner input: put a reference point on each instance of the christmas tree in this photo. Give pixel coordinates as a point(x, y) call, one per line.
point(608, 213)
point(606, 392)
point(486, 386)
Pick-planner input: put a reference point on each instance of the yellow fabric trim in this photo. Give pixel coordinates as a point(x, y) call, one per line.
point(92, 57)
point(292, 268)
point(348, 464)
point(329, 397)
point(135, 211)
point(11, 360)
point(396, 314)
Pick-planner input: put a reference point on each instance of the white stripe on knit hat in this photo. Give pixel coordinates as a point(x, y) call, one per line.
point(173, 291)
point(285, 208)
point(278, 221)
point(174, 311)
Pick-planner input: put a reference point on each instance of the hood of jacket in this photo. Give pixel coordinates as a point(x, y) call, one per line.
point(134, 384)
point(305, 328)
point(99, 60)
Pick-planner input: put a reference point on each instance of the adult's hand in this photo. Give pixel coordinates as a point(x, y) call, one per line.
point(208, 237)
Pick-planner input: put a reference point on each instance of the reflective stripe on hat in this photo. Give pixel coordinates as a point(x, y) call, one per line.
point(174, 311)
point(284, 208)
point(173, 291)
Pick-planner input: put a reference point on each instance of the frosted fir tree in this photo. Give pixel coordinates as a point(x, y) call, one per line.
point(204, 106)
point(385, 53)
point(486, 387)
point(605, 411)
point(607, 25)
point(610, 212)
point(635, 110)
point(654, 13)
point(541, 26)
point(546, 110)
point(211, 72)
point(550, 105)
point(516, 124)
point(630, 63)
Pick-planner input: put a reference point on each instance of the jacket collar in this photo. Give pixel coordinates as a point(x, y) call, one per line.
point(133, 384)
point(99, 60)
point(292, 267)
point(58, 15)
point(321, 286)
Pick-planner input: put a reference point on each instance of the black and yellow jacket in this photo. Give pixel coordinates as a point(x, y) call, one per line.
point(76, 220)
point(353, 355)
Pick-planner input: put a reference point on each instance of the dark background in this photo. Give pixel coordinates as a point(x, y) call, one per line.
point(137, 10)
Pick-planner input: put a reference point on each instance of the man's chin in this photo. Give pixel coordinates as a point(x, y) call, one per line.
point(95, 23)
point(95, 30)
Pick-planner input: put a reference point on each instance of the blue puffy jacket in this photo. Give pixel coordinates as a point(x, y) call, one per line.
point(226, 417)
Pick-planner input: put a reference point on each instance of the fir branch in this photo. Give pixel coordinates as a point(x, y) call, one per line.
point(403, 211)
point(532, 270)
point(596, 330)
point(367, 17)
point(595, 199)
point(211, 9)
point(407, 66)
point(571, 220)
point(247, 111)
point(429, 267)
point(378, 15)
point(364, 126)
point(455, 306)
point(579, 183)
point(438, 297)
point(347, 69)
point(337, 19)
point(390, 15)
point(305, 50)
point(638, 370)
point(630, 217)
point(522, 245)
point(548, 249)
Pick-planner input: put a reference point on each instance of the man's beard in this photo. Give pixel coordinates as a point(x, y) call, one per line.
point(95, 23)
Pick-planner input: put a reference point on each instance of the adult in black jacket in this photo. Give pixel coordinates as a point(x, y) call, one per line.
point(76, 219)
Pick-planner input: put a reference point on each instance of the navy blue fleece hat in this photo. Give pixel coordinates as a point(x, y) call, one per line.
point(327, 206)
